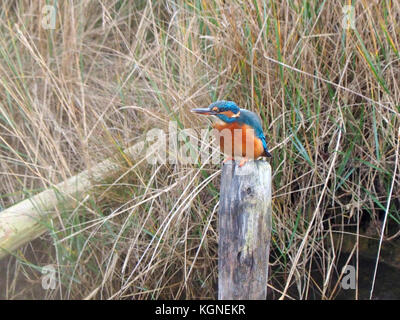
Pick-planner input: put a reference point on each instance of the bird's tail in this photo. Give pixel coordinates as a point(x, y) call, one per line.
point(267, 154)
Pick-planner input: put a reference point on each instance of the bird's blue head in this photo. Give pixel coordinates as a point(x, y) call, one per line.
point(222, 109)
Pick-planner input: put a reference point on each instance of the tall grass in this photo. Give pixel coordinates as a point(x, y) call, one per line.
point(110, 71)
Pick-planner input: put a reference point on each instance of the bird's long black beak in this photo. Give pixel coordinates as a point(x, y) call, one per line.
point(205, 111)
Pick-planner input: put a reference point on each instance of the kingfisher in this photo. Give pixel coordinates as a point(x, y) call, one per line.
point(231, 117)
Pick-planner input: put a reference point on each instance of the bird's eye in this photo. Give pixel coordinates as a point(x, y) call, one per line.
point(215, 109)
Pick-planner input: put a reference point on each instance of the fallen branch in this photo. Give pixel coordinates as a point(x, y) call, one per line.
point(29, 219)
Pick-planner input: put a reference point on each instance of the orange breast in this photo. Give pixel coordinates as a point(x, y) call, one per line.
point(234, 140)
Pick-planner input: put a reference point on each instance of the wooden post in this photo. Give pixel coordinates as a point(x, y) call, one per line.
point(244, 231)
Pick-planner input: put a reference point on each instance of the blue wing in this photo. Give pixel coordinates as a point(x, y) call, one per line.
point(262, 138)
point(254, 121)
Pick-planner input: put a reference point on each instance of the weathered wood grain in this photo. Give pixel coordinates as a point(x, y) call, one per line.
point(244, 231)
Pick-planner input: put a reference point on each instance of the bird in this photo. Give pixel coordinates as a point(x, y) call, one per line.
point(231, 117)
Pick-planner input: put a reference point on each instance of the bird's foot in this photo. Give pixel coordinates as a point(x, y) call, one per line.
point(243, 161)
point(228, 159)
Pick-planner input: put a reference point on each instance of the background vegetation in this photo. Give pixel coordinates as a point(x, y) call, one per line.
point(70, 97)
